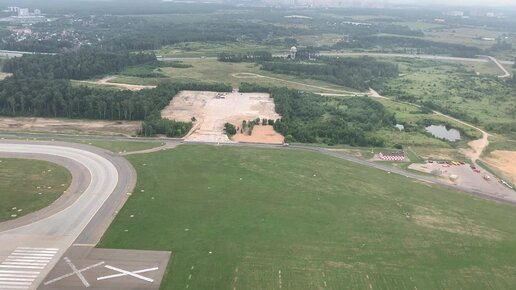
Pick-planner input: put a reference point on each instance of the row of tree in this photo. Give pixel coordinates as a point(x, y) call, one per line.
point(308, 118)
point(79, 65)
point(59, 98)
point(401, 44)
point(358, 73)
point(247, 56)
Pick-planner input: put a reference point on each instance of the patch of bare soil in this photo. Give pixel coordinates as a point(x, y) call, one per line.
point(4, 75)
point(212, 110)
point(261, 134)
point(504, 161)
point(68, 126)
point(107, 82)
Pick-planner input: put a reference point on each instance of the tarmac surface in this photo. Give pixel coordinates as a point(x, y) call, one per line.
point(31, 246)
point(107, 269)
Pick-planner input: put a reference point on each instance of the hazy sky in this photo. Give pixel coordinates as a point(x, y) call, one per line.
point(462, 2)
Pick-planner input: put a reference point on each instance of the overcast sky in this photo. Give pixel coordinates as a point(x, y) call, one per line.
point(461, 2)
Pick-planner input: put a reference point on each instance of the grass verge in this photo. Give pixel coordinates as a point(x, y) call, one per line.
point(29, 185)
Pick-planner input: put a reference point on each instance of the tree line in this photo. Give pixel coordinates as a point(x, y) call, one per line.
point(79, 65)
point(40, 87)
point(408, 45)
point(244, 56)
point(357, 73)
point(308, 118)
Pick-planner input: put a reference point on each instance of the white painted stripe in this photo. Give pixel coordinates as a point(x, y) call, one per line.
point(21, 267)
point(14, 283)
point(123, 274)
point(19, 272)
point(129, 273)
point(35, 252)
point(25, 257)
point(27, 260)
point(16, 279)
point(73, 273)
point(6, 287)
point(21, 263)
point(43, 249)
point(19, 276)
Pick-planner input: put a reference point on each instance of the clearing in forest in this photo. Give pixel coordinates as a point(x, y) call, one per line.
point(212, 110)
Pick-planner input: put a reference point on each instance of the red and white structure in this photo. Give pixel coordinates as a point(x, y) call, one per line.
point(392, 156)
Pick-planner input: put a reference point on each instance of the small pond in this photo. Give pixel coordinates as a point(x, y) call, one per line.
point(440, 131)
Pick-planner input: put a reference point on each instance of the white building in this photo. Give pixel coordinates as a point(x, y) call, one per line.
point(23, 12)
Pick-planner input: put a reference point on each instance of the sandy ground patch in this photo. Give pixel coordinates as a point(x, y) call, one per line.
point(505, 162)
point(4, 75)
point(212, 110)
point(261, 134)
point(68, 126)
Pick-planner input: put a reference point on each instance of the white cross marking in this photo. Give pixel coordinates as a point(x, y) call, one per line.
point(75, 272)
point(128, 273)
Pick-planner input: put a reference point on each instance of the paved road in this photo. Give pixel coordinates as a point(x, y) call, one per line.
point(103, 180)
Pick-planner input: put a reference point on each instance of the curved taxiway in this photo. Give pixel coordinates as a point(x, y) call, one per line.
point(100, 184)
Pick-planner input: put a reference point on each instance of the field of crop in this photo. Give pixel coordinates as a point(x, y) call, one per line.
point(240, 218)
point(29, 185)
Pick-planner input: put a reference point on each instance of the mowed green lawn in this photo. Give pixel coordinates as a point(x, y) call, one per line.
point(29, 185)
point(275, 218)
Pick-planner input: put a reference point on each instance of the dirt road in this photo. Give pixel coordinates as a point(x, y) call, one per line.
point(107, 82)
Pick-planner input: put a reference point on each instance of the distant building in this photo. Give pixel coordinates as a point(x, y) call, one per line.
point(454, 13)
point(13, 9)
point(293, 52)
point(37, 12)
point(23, 12)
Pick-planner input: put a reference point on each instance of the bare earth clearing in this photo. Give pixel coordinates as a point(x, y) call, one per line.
point(212, 110)
point(67, 126)
point(107, 82)
point(261, 134)
point(505, 162)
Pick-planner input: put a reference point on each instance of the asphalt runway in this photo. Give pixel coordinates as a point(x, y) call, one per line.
point(30, 248)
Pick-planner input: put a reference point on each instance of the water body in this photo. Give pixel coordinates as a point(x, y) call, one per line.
point(400, 127)
point(440, 131)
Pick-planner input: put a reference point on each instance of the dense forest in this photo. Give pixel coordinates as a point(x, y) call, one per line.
point(40, 86)
point(408, 45)
point(79, 65)
point(357, 73)
point(308, 118)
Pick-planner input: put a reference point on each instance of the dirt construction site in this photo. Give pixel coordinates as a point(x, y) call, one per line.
point(212, 110)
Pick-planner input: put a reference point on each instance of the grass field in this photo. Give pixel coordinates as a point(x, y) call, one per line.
point(209, 70)
point(29, 185)
point(210, 49)
point(123, 146)
point(273, 218)
point(457, 89)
